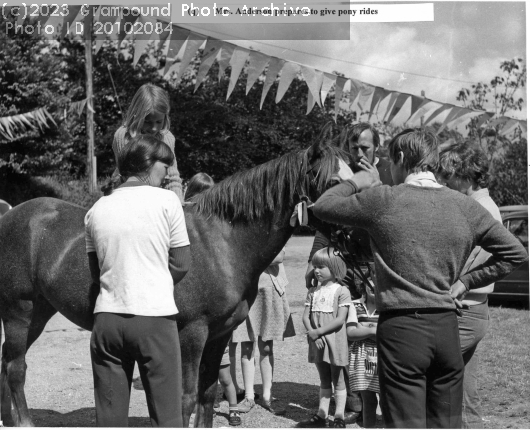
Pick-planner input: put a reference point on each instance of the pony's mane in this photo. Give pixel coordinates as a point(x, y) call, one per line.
point(269, 187)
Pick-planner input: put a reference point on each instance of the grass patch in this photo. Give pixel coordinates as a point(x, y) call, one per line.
point(504, 372)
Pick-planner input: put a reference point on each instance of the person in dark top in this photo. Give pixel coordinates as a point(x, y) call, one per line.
point(361, 141)
point(421, 235)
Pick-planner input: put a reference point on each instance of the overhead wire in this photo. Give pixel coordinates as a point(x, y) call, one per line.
point(336, 59)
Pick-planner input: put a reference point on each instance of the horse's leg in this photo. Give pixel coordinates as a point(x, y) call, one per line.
point(208, 376)
point(192, 340)
point(23, 325)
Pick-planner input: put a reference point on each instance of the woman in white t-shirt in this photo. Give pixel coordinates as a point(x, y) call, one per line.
point(138, 249)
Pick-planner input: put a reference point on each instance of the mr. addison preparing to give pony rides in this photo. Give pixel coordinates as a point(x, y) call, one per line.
point(421, 234)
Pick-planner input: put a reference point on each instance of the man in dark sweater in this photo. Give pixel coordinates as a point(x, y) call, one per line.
point(360, 141)
point(421, 235)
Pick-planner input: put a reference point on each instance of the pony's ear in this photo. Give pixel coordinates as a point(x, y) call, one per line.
point(324, 139)
point(315, 150)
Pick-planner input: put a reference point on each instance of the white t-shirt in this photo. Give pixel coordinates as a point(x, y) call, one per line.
point(132, 231)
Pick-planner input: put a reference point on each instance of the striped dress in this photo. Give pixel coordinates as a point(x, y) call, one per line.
point(363, 372)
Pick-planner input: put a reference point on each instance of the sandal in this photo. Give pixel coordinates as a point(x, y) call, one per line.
point(234, 419)
point(339, 423)
point(314, 422)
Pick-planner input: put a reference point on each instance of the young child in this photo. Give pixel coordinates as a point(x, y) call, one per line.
point(197, 184)
point(326, 309)
point(361, 327)
point(149, 114)
point(225, 378)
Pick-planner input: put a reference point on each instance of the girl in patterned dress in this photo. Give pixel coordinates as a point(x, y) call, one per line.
point(326, 309)
point(361, 328)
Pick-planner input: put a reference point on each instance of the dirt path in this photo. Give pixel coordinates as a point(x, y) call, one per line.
point(59, 385)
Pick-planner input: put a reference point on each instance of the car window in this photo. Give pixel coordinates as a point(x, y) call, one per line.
point(519, 228)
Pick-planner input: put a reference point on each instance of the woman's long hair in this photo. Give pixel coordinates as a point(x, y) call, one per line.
point(148, 99)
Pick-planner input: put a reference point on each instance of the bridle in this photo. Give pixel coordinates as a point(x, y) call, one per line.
point(343, 245)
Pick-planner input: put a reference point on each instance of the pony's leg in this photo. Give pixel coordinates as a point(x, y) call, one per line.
point(23, 326)
point(208, 376)
point(16, 327)
point(192, 340)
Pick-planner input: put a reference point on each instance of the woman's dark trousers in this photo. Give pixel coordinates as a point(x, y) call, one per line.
point(117, 342)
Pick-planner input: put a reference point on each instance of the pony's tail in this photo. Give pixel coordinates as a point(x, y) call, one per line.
point(1, 361)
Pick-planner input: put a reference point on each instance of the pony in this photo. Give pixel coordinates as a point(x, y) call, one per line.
point(236, 228)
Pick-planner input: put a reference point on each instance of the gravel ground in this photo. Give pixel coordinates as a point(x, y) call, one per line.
point(59, 386)
point(59, 378)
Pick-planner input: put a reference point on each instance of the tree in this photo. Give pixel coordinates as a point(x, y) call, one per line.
point(504, 88)
point(507, 154)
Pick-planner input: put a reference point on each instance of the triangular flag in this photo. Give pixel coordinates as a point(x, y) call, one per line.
point(289, 71)
point(256, 64)
point(224, 60)
point(484, 117)
point(453, 114)
point(379, 94)
point(77, 107)
point(275, 66)
point(142, 41)
point(510, 126)
point(398, 104)
point(327, 82)
point(416, 102)
point(178, 37)
point(426, 108)
point(320, 80)
point(338, 93)
point(355, 88)
point(391, 103)
point(193, 44)
point(311, 80)
point(365, 95)
point(466, 117)
point(69, 18)
point(166, 32)
point(211, 50)
point(437, 112)
point(125, 28)
point(500, 120)
point(238, 60)
point(310, 101)
point(55, 22)
point(108, 20)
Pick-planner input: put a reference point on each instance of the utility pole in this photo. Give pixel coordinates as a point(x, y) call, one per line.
point(423, 116)
point(91, 159)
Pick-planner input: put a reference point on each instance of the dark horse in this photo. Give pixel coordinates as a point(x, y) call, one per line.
point(236, 229)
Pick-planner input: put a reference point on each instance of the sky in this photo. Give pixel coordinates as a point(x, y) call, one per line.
point(464, 44)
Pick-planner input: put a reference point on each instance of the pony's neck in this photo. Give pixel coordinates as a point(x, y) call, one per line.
point(262, 240)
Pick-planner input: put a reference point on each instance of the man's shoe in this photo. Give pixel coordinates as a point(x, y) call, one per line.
point(246, 405)
point(275, 410)
point(314, 422)
point(234, 419)
point(351, 417)
point(338, 423)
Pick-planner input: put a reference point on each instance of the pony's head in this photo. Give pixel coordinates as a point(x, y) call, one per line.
point(275, 186)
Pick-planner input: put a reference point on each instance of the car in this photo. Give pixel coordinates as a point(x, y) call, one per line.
point(505, 210)
point(4, 207)
point(515, 286)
